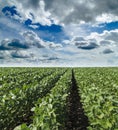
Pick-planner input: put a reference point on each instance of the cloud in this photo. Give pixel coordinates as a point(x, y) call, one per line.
point(13, 44)
point(77, 30)
point(4, 45)
point(112, 35)
point(32, 10)
point(10, 28)
point(45, 11)
point(105, 42)
point(20, 54)
point(105, 37)
point(53, 45)
point(82, 10)
point(87, 46)
point(30, 49)
point(5, 54)
point(1, 55)
point(107, 51)
point(32, 39)
point(34, 26)
point(78, 39)
point(80, 47)
point(84, 43)
point(53, 58)
point(29, 39)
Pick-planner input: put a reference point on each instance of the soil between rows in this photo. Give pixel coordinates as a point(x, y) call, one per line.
point(76, 119)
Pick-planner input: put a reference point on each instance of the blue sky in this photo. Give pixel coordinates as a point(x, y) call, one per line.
point(76, 33)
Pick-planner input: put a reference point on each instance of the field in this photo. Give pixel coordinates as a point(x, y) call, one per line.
point(59, 98)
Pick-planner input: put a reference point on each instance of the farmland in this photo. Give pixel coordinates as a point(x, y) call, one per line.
point(59, 98)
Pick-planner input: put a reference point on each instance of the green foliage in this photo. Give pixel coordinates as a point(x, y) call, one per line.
point(99, 94)
point(50, 111)
point(36, 98)
point(16, 102)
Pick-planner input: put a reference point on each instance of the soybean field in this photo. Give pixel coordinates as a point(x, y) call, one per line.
point(59, 98)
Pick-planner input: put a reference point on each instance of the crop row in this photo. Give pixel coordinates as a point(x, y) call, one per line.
point(99, 93)
point(48, 99)
point(15, 106)
point(13, 80)
point(50, 111)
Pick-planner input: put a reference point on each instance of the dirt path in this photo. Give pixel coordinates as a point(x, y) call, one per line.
point(76, 119)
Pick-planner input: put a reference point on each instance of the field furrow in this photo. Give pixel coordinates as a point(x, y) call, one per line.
point(76, 120)
point(58, 98)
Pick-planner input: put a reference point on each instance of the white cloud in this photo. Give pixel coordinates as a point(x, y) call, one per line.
point(20, 54)
point(105, 40)
point(52, 45)
point(106, 35)
point(75, 30)
point(34, 26)
point(32, 49)
point(81, 50)
point(106, 18)
point(32, 39)
point(32, 10)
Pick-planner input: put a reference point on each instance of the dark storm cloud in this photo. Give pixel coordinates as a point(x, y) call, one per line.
point(87, 46)
point(108, 6)
point(74, 11)
point(4, 45)
point(34, 3)
point(53, 58)
point(1, 57)
point(15, 43)
point(4, 48)
point(29, 3)
point(12, 45)
point(81, 10)
point(84, 43)
point(107, 51)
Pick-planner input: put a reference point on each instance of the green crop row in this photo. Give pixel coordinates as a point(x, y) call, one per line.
point(15, 106)
point(36, 98)
point(50, 111)
point(99, 94)
point(27, 77)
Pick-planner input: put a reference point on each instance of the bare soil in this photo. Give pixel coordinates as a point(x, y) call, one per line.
point(76, 119)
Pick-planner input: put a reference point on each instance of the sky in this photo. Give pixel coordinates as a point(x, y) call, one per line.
point(68, 33)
